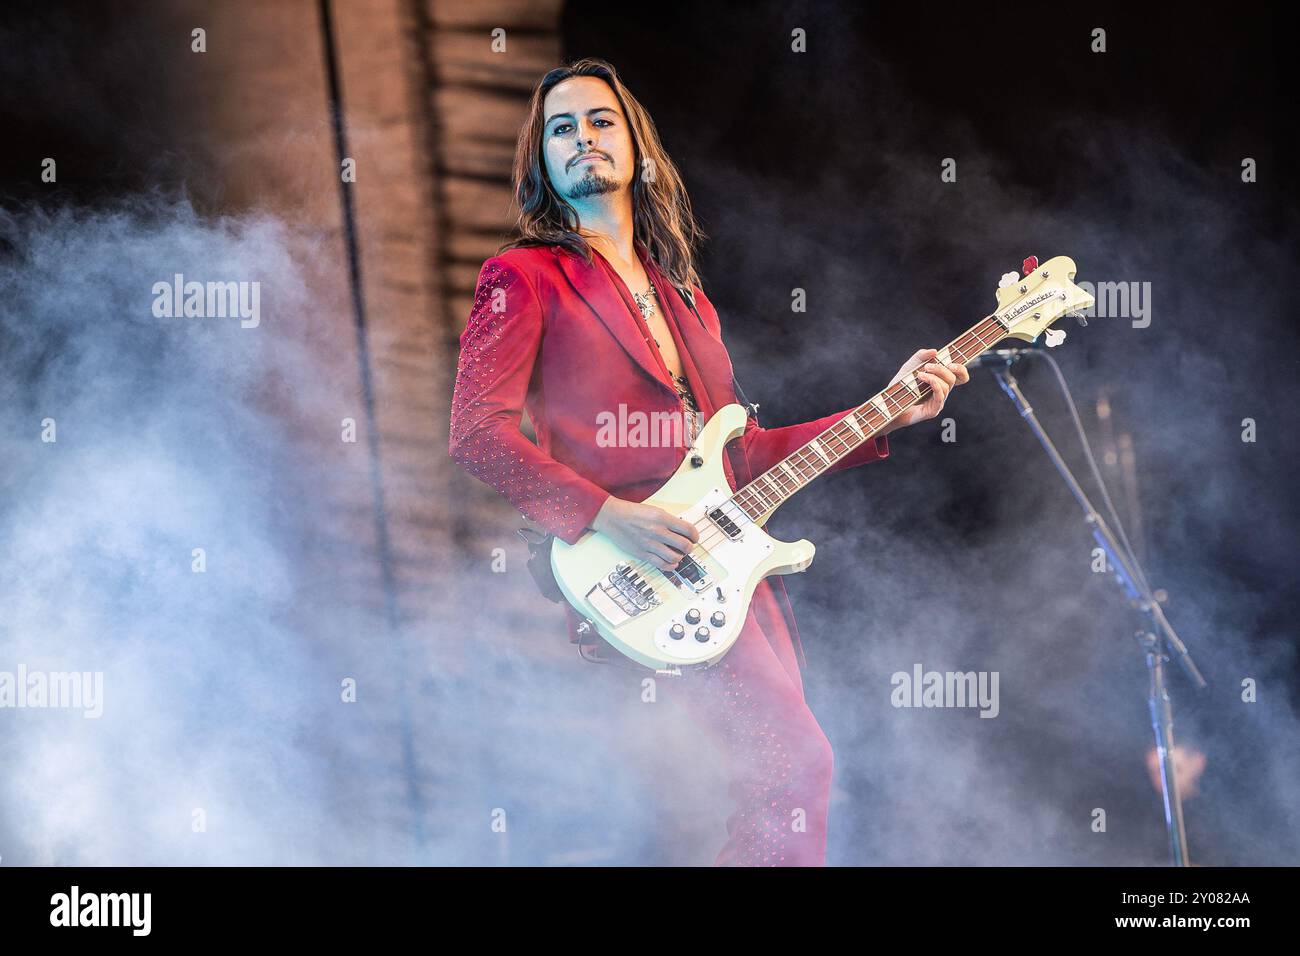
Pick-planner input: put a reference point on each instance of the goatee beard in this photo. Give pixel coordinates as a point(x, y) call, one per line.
point(593, 184)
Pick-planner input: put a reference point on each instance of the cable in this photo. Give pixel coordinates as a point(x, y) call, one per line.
point(1096, 472)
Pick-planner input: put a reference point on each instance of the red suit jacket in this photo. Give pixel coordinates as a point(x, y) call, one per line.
point(561, 338)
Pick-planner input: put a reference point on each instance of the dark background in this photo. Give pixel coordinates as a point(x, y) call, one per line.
point(821, 171)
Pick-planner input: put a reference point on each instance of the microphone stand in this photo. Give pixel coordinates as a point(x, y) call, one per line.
point(1158, 640)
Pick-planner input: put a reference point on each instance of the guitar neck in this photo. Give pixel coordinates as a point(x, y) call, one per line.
point(768, 491)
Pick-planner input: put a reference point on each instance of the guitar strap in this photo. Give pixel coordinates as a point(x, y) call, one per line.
point(750, 409)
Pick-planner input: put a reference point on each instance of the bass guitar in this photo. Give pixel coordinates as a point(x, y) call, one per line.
point(693, 614)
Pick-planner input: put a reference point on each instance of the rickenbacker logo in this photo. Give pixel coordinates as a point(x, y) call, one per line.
point(1028, 304)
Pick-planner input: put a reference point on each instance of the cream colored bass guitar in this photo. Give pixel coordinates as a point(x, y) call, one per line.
point(693, 614)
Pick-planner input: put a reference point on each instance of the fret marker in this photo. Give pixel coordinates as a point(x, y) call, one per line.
point(815, 445)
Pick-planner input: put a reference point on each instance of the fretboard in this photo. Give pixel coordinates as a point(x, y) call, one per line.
point(765, 493)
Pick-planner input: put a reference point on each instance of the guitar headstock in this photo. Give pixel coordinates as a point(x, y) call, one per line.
point(1029, 304)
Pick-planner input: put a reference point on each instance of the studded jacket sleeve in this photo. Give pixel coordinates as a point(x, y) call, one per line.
point(497, 352)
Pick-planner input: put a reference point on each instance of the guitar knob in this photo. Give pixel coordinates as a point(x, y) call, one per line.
point(702, 634)
point(717, 619)
point(693, 616)
point(676, 632)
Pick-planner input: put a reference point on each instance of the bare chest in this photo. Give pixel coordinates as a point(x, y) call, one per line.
point(643, 293)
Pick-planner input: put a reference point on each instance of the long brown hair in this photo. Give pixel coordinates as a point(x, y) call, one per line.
point(661, 211)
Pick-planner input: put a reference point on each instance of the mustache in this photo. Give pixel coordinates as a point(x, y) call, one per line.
point(590, 152)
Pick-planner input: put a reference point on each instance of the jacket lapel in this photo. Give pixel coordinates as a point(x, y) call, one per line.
point(594, 287)
point(704, 352)
point(708, 366)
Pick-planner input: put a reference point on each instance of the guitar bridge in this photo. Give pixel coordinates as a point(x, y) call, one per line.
point(622, 595)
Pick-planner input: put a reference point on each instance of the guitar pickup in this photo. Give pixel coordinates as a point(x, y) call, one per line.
point(689, 574)
point(725, 524)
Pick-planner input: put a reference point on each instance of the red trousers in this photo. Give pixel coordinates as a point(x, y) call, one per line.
point(779, 761)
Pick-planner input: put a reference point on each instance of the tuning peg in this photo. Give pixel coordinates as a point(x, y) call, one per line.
point(1030, 264)
point(1008, 278)
point(1054, 337)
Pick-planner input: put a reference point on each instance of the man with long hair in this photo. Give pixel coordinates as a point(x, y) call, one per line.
point(595, 307)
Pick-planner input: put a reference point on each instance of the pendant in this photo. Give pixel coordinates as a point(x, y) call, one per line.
point(644, 304)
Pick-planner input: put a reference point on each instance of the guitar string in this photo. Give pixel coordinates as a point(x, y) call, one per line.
point(716, 535)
